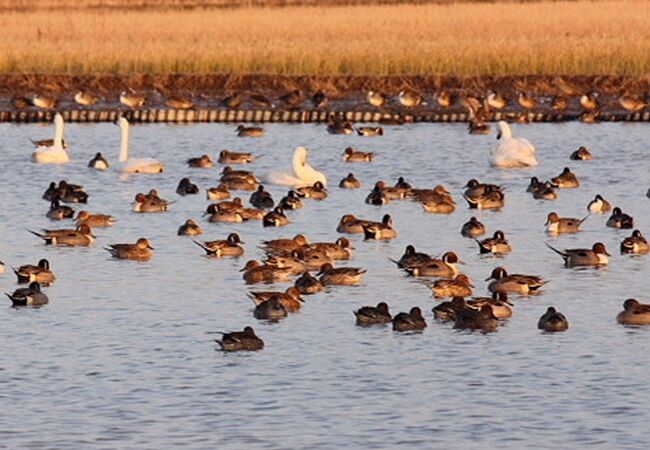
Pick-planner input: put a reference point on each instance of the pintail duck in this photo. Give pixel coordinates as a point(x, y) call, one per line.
point(437, 194)
point(559, 103)
point(189, 228)
point(232, 101)
point(220, 192)
point(98, 162)
point(590, 116)
point(542, 191)
point(619, 219)
point(475, 126)
point(229, 173)
point(376, 98)
point(444, 99)
point(351, 225)
point(281, 247)
point(376, 196)
point(290, 201)
point(459, 286)
point(261, 198)
point(380, 230)
point(496, 245)
point(596, 256)
point(144, 203)
point(230, 246)
point(636, 244)
point(223, 215)
point(599, 205)
point(634, 313)
point(65, 192)
point(501, 307)
point(140, 251)
point(201, 162)
point(344, 276)
point(350, 182)
point(475, 190)
point(402, 184)
point(370, 132)
point(81, 237)
point(410, 99)
point(44, 102)
point(290, 299)
point(412, 258)
point(557, 225)
point(316, 191)
point(582, 154)
point(477, 319)
point(292, 99)
point(373, 315)
point(186, 187)
point(496, 100)
point(319, 99)
point(227, 157)
point(255, 272)
point(493, 199)
point(337, 126)
point(339, 250)
point(261, 100)
point(526, 101)
point(58, 211)
point(632, 103)
point(410, 321)
point(442, 268)
point(534, 185)
point(272, 310)
point(225, 205)
point(240, 341)
point(251, 213)
point(589, 101)
point(472, 228)
point(448, 311)
point(566, 180)
point(390, 192)
point(439, 204)
point(95, 220)
point(352, 155)
point(307, 284)
point(243, 131)
point(553, 320)
point(40, 273)
point(20, 102)
point(132, 100)
point(248, 183)
point(85, 98)
point(313, 258)
point(178, 102)
point(290, 262)
point(505, 283)
point(31, 296)
point(275, 218)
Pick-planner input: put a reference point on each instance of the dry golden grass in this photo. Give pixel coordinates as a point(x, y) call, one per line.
point(583, 37)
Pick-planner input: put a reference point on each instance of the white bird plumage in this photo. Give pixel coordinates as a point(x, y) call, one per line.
point(135, 165)
point(55, 154)
point(303, 174)
point(511, 152)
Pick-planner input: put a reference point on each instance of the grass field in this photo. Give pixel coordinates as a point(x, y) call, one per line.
point(582, 37)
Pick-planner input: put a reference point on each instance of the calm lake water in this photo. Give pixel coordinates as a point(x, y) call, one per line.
point(122, 357)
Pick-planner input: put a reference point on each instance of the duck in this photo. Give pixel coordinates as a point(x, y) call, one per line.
point(632, 103)
point(95, 220)
point(147, 204)
point(275, 218)
point(272, 310)
point(501, 307)
point(352, 155)
point(526, 101)
point(290, 299)
point(505, 283)
point(376, 98)
point(492, 199)
point(40, 273)
point(387, 192)
point(445, 99)
point(476, 190)
point(370, 132)
point(340, 127)
point(351, 225)
point(476, 319)
point(316, 191)
point(58, 211)
point(251, 213)
point(80, 237)
point(69, 193)
point(534, 185)
point(228, 157)
point(261, 198)
point(219, 192)
point(224, 215)
point(558, 225)
point(545, 191)
point(20, 102)
point(228, 173)
point(473, 228)
point(589, 116)
point(343, 276)
point(186, 187)
point(292, 99)
point(56, 152)
point(349, 182)
point(189, 228)
point(140, 251)
point(634, 313)
point(243, 131)
point(380, 230)
point(599, 205)
point(442, 268)
point(44, 102)
point(448, 311)
point(31, 296)
point(459, 286)
point(589, 101)
point(438, 194)
point(439, 205)
point(290, 202)
point(248, 183)
point(98, 162)
point(135, 165)
point(511, 152)
point(179, 102)
point(635, 244)
point(85, 98)
point(559, 103)
point(373, 315)
point(340, 250)
point(582, 154)
point(410, 321)
point(496, 100)
point(595, 256)
point(410, 99)
point(237, 341)
point(281, 247)
point(132, 100)
point(200, 162)
point(552, 321)
point(307, 284)
point(496, 245)
point(319, 99)
point(412, 258)
point(231, 246)
point(232, 101)
point(302, 173)
point(565, 180)
point(377, 197)
point(619, 219)
point(256, 272)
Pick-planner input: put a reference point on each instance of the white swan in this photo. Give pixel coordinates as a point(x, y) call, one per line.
point(511, 152)
point(303, 174)
point(54, 154)
point(135, 165)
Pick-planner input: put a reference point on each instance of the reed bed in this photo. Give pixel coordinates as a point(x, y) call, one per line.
point(470, 39)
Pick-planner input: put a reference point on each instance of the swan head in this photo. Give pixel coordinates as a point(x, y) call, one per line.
point(58, 120)
point(123, 123)
point(504, 130)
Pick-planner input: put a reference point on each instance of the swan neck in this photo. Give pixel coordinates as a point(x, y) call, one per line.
point(124, 146)
point(58, 132)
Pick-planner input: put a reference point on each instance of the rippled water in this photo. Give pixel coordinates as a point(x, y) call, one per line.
point(122, 358)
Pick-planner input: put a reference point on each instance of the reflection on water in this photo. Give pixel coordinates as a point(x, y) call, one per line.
point(122, 358)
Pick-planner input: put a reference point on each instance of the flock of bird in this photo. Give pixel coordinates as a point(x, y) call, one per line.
point(297, 259)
